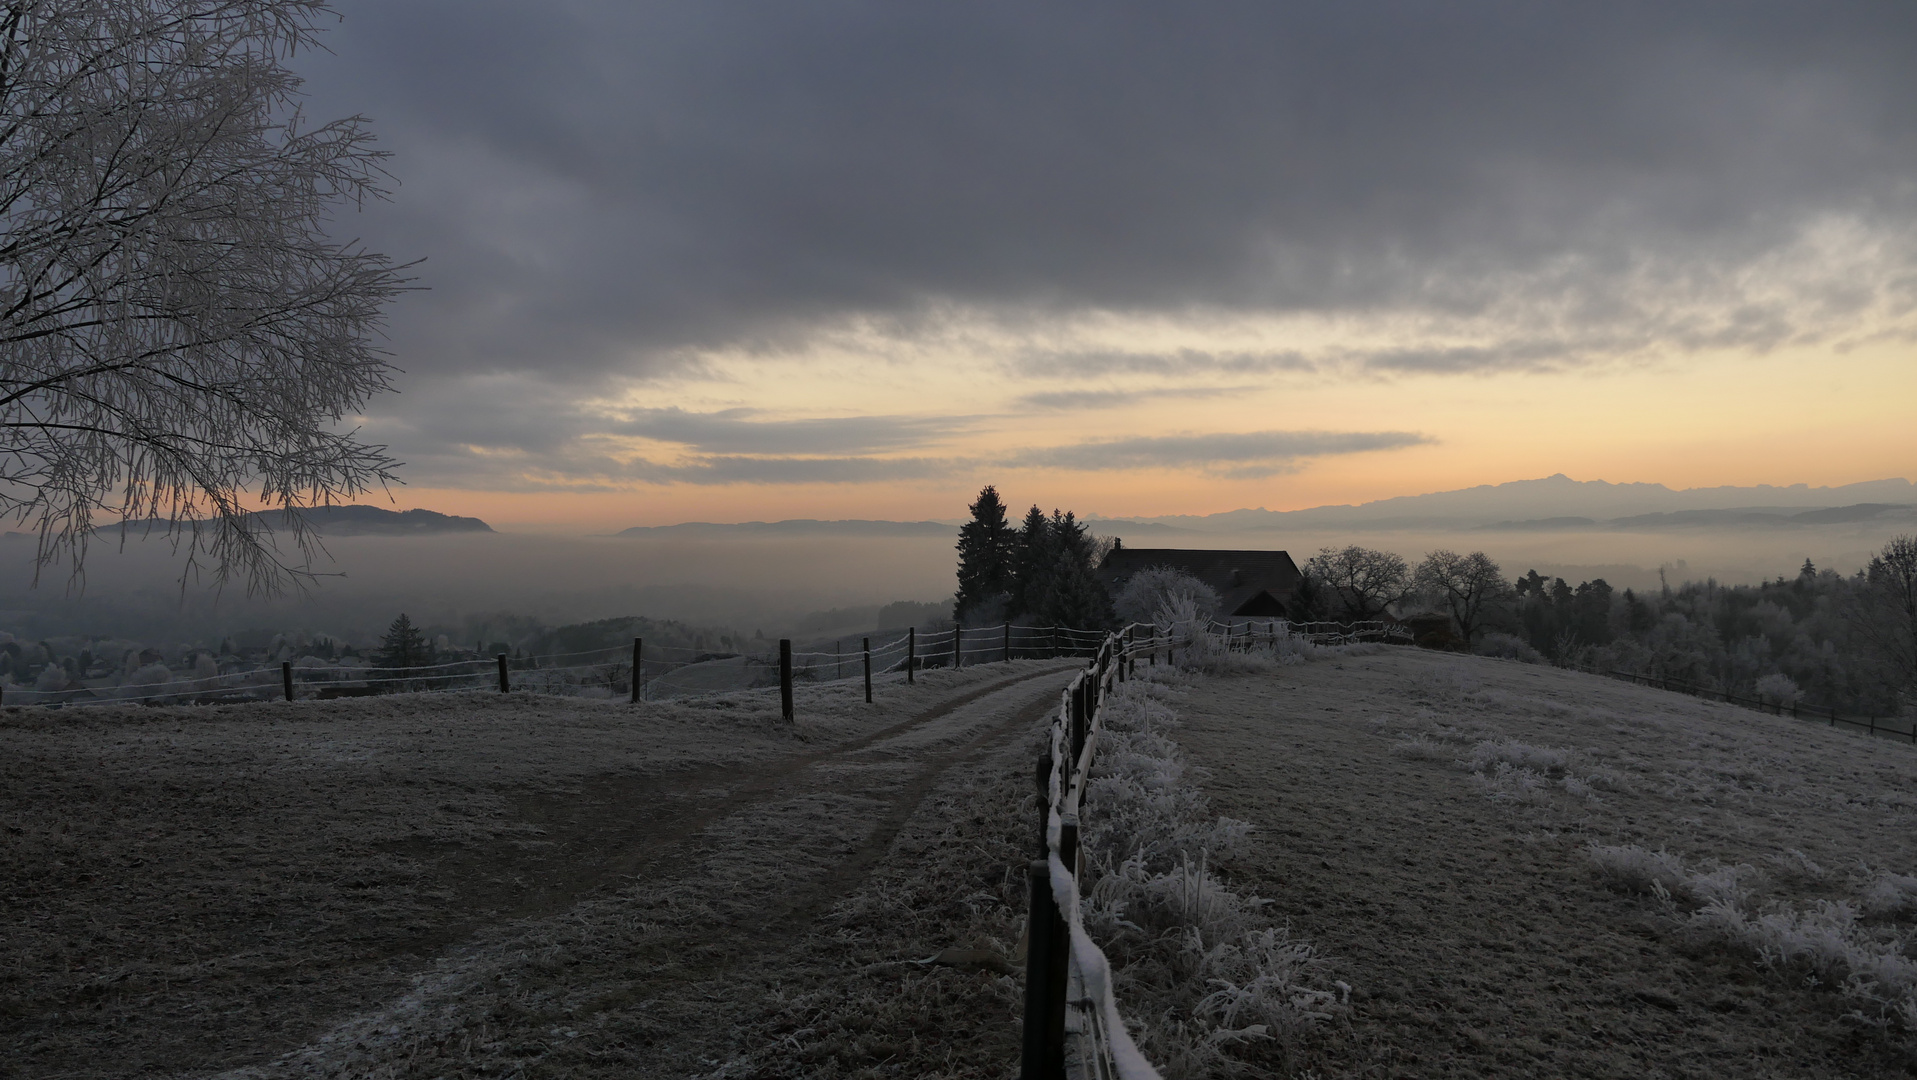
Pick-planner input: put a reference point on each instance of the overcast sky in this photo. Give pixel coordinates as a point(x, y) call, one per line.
point(736, 261)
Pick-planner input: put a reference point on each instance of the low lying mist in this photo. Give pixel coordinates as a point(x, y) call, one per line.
point(803, 586)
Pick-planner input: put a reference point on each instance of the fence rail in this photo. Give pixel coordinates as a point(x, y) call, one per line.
point(609, 672)
point(1872, 723)
point(1071, 1015)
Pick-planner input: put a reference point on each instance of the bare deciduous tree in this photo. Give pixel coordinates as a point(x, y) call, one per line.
point(1465, 585)
point(180, 341)
point(1366, 582)
point(1888, 611)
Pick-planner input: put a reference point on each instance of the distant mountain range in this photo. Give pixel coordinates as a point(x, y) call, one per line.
point(1554, 502)
point(1559, 502)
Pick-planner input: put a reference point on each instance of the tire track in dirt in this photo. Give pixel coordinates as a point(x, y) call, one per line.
point(706, 1001)
point(850, 872)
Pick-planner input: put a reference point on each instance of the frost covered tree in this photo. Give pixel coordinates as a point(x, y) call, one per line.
point(1468, 586)
point(1887, 606)
point(180, 340)
point(1364, 582)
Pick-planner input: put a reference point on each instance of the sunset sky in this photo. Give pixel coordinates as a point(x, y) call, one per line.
point(727, 262)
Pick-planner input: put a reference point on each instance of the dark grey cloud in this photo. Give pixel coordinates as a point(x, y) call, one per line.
point(1234, 454)
point(610, 188)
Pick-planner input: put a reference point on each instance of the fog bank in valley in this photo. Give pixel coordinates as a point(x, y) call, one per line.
point(777, 582)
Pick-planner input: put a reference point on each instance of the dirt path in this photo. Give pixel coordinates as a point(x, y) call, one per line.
point(187, 899)
point(670, 974)
point(1478, 938)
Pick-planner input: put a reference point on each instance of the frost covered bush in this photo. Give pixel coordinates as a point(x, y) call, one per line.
point(1151, 592)
point(1778, 688)
point(1891, 895)
point(1194, 961)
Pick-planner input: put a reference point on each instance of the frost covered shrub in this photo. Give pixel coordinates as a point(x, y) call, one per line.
point(1778, 688)
point(1156, 589)
point(1891, 895)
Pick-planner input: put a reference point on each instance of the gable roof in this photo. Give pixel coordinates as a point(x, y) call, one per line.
point(1239, 577)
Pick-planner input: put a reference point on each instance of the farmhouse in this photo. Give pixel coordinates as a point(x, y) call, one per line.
point(1259, 584)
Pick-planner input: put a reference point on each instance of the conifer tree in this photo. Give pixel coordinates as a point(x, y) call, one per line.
point(1032, 561)
point(987, 548)
point(403, 646)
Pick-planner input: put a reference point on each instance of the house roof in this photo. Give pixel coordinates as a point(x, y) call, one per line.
point(1238, 577)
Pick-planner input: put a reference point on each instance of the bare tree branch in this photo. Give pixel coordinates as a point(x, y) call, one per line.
point(180, 341)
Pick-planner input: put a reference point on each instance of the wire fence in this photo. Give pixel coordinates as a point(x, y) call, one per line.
point(1872, 723)
point(662, 671)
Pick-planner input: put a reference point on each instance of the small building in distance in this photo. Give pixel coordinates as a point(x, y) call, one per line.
point(1249, 584)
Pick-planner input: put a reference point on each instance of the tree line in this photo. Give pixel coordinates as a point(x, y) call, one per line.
point(1847, 642)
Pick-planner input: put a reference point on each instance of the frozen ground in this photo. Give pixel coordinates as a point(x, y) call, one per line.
point(465, 885)
point(470, 885)
point(1429, 821)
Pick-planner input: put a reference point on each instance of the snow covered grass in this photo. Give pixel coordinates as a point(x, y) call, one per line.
point(1213, 987)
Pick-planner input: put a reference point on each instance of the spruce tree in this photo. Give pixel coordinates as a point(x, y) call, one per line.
point(1032, 559)
point(403, 646)
point(986, 548)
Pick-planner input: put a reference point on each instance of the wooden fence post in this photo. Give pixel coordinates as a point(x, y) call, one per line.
point(958, 647)
point(1047, 964)
point(286, 677)
point(505, 686)
point(785, 678)
point(638, 669)
point(865, 646)
point(1054, 642)
point(1008, 641)
point(911, 652)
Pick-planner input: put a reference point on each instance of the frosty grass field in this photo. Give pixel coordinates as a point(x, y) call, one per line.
point(1473, 867)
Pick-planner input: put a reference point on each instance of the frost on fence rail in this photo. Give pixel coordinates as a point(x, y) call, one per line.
point(1093, 1024)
